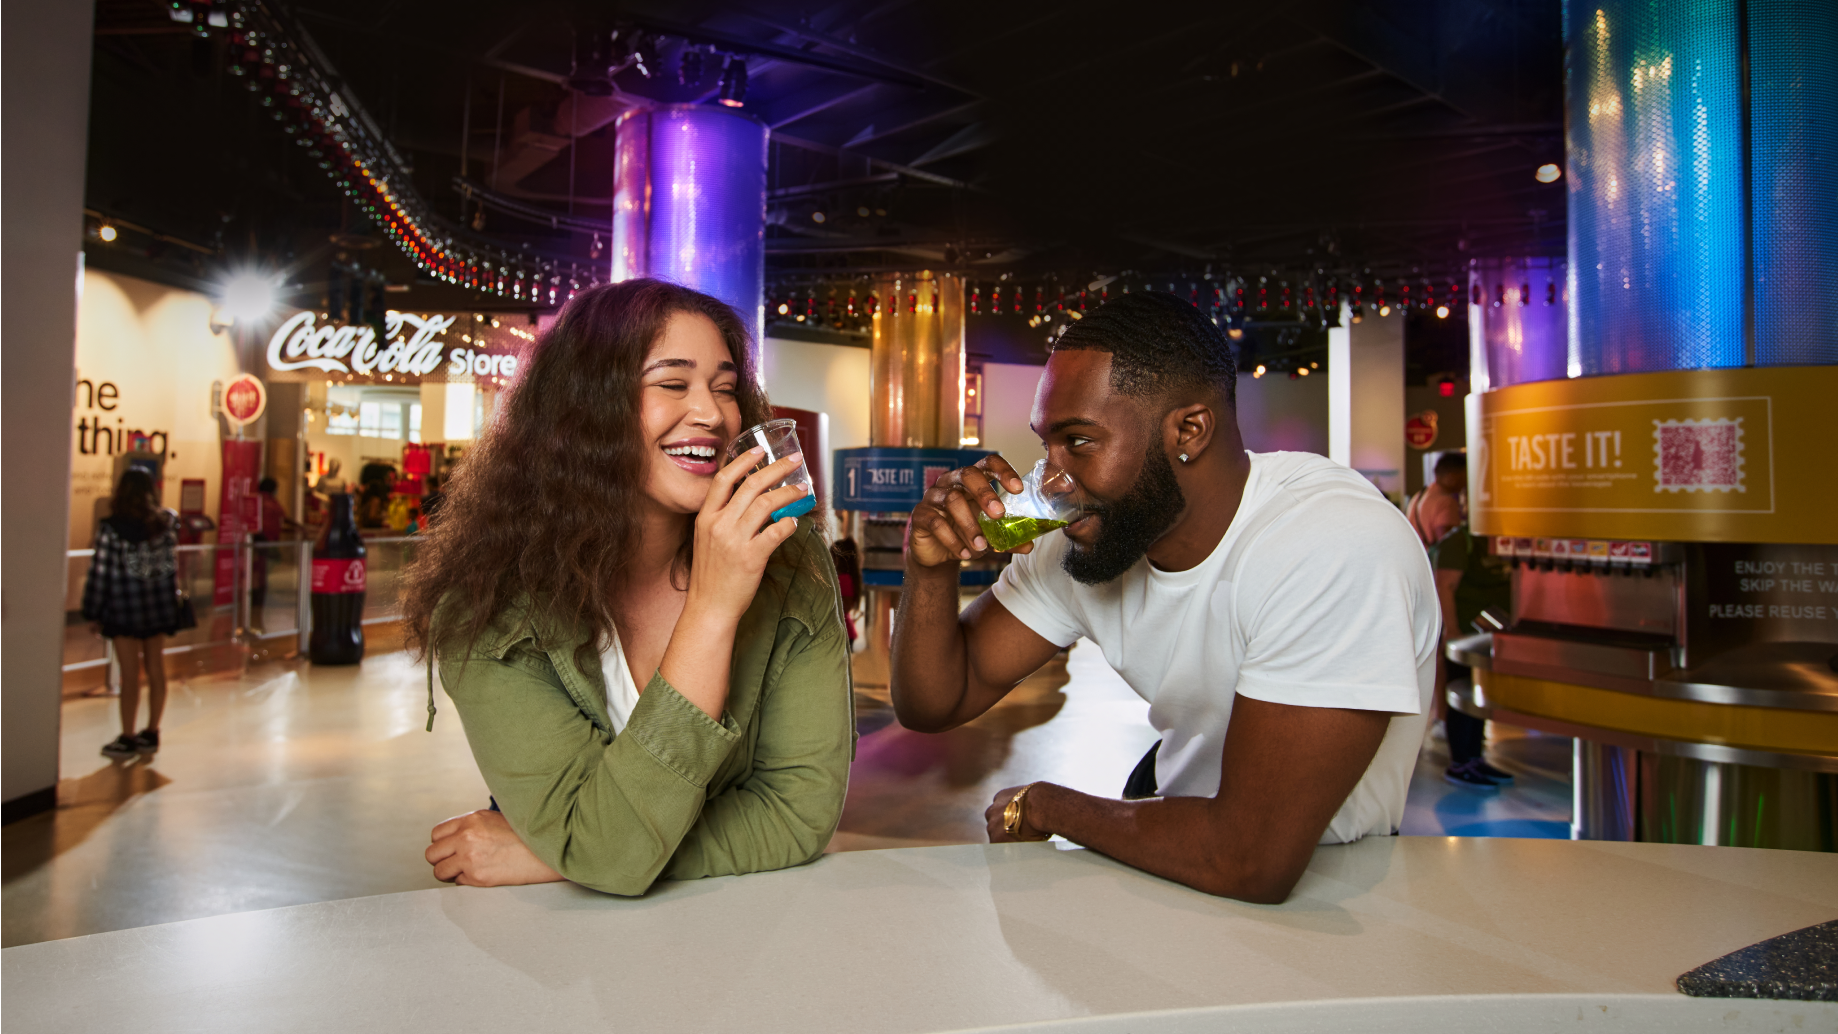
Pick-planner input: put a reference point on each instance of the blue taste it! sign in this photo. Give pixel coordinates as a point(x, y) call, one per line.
point(885, 478)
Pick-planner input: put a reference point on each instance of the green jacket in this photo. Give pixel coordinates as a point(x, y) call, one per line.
point(677, 795)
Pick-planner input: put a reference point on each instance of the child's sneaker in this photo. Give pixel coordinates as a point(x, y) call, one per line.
point(148, 741)
point(122, 746)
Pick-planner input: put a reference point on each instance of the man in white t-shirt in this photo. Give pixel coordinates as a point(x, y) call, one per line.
point(1273, 608)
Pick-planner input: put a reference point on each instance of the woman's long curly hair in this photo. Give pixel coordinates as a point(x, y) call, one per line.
point(545, 506)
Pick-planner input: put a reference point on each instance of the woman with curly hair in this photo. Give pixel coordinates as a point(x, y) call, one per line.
point(652, 672)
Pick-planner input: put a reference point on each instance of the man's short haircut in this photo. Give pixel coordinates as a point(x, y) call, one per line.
point(267, 485)
point(1449, 461)
point(1159, 345)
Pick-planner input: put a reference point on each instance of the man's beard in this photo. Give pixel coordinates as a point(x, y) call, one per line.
point(1129, 526)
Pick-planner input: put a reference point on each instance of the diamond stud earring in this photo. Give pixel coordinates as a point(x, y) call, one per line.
point(1183, 457)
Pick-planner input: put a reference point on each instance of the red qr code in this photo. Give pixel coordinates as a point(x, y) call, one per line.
point(1698, 455)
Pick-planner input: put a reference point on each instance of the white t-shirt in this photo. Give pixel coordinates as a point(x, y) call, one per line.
point(621, 691)
point(1333, 604)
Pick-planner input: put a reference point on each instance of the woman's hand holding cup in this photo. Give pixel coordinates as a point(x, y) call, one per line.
point(735, 533)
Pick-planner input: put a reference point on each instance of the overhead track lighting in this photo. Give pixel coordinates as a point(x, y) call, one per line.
point(734, 83)
point(644, 56)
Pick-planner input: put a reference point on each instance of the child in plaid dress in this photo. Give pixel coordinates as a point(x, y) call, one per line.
point(132, 597)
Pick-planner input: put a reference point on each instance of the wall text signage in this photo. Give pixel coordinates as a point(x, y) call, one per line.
point(409, 345)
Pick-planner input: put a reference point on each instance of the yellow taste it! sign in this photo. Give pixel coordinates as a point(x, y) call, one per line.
point(1739, 455)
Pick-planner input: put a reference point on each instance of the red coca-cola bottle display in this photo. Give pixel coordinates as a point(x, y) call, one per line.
point(338, 588)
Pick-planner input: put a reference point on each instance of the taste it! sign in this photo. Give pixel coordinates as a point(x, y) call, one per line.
point(1738, 455)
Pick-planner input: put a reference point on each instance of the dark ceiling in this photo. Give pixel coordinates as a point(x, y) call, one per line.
point(1387, 139)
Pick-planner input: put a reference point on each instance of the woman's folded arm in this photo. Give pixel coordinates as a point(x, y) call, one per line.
point(784, 812)
point(606, 816)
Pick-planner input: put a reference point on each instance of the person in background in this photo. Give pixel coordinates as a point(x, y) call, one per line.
point(847, 558)
point(1469, 579)
point(1438, 506)
point(379, 481)
point(332, 482)
point(431, 500)
point(132, 597)
point(274, 522)
point(1434, 511)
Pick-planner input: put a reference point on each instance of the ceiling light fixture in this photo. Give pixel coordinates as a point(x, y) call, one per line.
point(248, 297)
point(107, 232)
point(1548, 173)
point(644, 56)
point(1384, 310)
point(734, 83)
point(1442, 312)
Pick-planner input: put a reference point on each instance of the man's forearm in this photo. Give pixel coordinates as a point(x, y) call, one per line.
point(1172, 837)
point(928, 667)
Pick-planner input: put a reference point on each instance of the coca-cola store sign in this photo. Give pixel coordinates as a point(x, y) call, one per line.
point(409, 345)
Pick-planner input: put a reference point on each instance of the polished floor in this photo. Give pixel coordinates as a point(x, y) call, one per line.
point(290, 784)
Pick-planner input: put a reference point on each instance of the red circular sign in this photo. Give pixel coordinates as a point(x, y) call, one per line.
point(244, 398)
point(1420, 430)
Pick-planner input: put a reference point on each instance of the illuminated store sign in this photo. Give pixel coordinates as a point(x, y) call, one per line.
point(408, 345)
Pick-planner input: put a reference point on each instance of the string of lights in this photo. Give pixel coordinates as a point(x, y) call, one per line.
point(295, 81)
point(1232, 299)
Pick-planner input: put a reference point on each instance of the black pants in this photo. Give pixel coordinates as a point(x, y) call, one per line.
point(1141, 783)
point(1467, 734)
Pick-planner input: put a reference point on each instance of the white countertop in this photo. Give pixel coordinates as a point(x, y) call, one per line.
point(946, 938)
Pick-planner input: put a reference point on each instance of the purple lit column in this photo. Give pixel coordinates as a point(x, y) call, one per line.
point(1518, 327)
point(689, 203)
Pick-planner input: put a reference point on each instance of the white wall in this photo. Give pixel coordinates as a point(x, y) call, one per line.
point(1008, 400)
point(1276, 414)
point(1366, 398)
point(154, 345)
point(822, 378)
point(44, 124)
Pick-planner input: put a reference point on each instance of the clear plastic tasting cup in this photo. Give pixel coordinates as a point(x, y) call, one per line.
point(780, 439)
point(1047, 501)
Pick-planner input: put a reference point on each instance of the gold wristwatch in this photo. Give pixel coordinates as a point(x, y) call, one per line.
point(1011, 815)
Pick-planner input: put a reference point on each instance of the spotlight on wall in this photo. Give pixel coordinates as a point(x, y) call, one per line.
point(1384, 310)
point(107, 232)
point(1548, 173)
point(734, 83)
point(248, 297)
point(1442, 312)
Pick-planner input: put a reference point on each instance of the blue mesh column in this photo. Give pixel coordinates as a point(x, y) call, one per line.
point(1674, 263)
point(689, 203)
point(1793, 116)
point(1655, 172)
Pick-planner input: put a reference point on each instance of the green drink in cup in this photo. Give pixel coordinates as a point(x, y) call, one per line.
point(1045, 503)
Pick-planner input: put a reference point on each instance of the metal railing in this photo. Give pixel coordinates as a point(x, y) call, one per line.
point(262, 597)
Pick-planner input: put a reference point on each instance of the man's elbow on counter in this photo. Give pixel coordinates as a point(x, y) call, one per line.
point(1257, 881)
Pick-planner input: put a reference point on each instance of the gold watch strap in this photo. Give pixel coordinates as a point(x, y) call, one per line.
point(1012, 814)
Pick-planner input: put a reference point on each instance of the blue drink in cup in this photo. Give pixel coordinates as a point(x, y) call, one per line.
point(779, 439)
